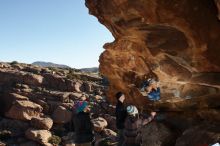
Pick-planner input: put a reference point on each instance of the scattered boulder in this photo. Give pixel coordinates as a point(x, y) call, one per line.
point(157, 134)
point(77, 86)
point(16, 127)
point(40, 136)
point(109, 133)
point(205, 134)
point(111, 120)
point(87, 87)
point(44, 123)
point(2, 144)
point(24, 110)
point(61, 115)
point(74, 96)
point(98, 97)
point(99, 124)
point(55, 82)
point(33, 79)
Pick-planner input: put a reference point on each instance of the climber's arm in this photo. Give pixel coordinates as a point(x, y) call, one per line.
point(149, 119)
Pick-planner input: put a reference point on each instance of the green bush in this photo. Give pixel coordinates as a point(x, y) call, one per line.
point(14, 62)
point(55, 140)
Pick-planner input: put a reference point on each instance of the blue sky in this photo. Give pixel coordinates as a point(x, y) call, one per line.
point(59, 31)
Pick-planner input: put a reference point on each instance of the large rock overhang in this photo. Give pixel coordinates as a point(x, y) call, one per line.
point(176, 41)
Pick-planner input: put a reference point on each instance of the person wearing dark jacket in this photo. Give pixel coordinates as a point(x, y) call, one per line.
point(133, 124)
point(82, 125)
point(121, 114)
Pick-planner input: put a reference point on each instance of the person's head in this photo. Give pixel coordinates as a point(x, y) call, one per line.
point(82, 106)
point(132, 110)
point(120, 96)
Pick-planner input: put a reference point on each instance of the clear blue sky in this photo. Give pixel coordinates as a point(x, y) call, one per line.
point(59, 31)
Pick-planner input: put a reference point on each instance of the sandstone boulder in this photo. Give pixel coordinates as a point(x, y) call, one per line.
point(88, 87)
point(99, 124)
point(77, 86)
point(111, 120)
point(33, 79)
point(109, 133)
point(2, 144)
point(24, 110)
point(75, 96)
point(159, 39)
point(205, 134)
point(16, 127)
point(98, 97)
point(10, 76)
point(8, 99)
point(40, 136)
point(156, 134)
point(55, 82)
point(61, 115)
point(43, 123)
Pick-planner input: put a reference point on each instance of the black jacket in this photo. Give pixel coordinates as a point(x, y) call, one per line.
point(121, 114)
point(83, 128)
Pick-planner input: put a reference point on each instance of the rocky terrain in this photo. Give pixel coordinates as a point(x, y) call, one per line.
point(176, 42)
point(36, 105)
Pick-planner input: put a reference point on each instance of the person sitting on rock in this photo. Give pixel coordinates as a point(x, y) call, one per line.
point(121, 114)
point(133, 124)
point(151, 89)
point(84, 135)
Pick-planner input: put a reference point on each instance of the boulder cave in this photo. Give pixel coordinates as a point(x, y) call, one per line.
point(174, 41)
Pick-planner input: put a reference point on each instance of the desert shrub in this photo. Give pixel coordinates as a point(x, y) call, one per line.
point(74, 76)
point(14, 62)
point(55, 140)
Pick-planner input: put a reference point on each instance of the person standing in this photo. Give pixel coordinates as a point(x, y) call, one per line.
point(121, 114)
point(84, 135)
point(133, 124)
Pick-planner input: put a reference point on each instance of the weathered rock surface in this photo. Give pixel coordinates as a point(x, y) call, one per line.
point(174, 41)
point(99, 124)
point(11, 76)
point(61, 115)
point(40, 136)
point(109, 133)
point(200, 135)
point(16, 127)
point(29, 93)
point(44, 123)
point(24, 110)
point(2, 144)
point(156, 134)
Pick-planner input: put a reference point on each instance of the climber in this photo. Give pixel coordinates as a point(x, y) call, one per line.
point(150, 89)
point(121, 114)
point(133, 125)
point(84, 135)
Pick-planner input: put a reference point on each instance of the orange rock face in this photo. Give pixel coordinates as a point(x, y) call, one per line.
point(177, 42)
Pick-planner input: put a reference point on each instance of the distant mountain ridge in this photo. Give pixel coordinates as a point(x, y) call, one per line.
point(49, 64)
point(92, 69)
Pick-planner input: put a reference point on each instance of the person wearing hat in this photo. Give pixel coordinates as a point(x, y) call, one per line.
point(83, 126)
point(132, 135)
